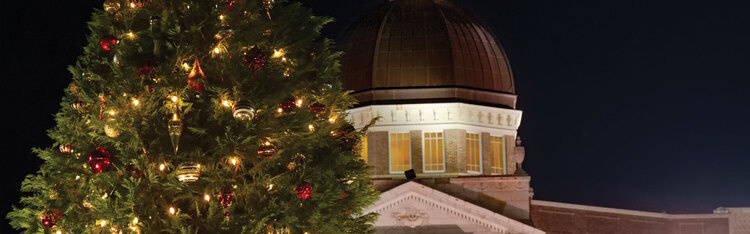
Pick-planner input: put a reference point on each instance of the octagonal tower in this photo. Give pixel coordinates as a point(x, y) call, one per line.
point(444, 91)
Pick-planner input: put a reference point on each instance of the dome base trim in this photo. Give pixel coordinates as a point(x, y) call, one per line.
point(433, 95)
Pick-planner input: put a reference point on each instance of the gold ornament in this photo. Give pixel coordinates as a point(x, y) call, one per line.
point(110, 128)
point(196, 77)
point(175, 130)
point(188, 172)
point(291, 166)
point(111, 6)
point(66, 149)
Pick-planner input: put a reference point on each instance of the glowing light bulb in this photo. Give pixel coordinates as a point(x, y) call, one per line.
point(136, 102)
point(217, 50)
point(104, 196)
point(283, 59)
point(131, 35)
point(171, 210)
point(135, 220)
point(311, 127)
point(206, 197)
point(221, 17)
point(162, 166)
point(132, 5)
point(186, 66)
point(270, 187)
point(111, 112)
point(234, 161)
point(332, 120)
point(278, 53)
point(58, 232)
point(279, 110)
point(174, 98)
point(103, 223)
point(298, 102)
point(226, 103)
point(267, 143)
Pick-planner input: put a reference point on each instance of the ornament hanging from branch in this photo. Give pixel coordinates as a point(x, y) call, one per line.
point(139, 3)
point(175, 131)
point(147, 69)
point(304, 190)
point(318, 109)
point(111, 6)
point(288, 105)
point(266, 150)
point(100, 160)
point(226, 197)
point(107, 42)
point(110, 128)
point(66, 148)
point(49, 218)
point(189, 172)
point(268, 4)
point(79, 106)
point(196, 77)
point(254, 58)
point(243, 111)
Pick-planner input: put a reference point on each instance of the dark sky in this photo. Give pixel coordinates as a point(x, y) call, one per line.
point(630, 104)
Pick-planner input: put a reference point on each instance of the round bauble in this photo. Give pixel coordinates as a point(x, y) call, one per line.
point(110, 128)
point(188, 172)
point(243, 111)
point(288, 105)
point(107, 42)
point(304, 190)
point(254, 58)
point(318, 108)
point(266, 150)
point(100, 160)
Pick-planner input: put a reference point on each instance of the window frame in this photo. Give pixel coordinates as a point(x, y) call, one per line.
point(424, 164)
point(390, 166)
point(479, 150)
point(503, 157)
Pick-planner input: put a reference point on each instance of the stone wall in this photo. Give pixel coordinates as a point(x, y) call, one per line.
point(553, 218)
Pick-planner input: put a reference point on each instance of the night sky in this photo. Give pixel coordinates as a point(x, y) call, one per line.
point(639, 105)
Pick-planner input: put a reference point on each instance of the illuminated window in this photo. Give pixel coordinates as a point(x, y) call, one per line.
point(498, 155)
point(363, 148)
point(473, 154)
point(433, 152)
point(400, 152)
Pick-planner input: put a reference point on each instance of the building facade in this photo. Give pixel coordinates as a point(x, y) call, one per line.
point(445, 149)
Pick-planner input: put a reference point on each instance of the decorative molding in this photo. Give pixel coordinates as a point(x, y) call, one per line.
point(437, 114)
point(412, 193)
point(411, 216)
point(498, 183)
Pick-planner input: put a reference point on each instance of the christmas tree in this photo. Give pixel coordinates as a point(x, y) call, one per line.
point(201, 116)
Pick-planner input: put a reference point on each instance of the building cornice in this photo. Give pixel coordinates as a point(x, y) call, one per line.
point(626, 212)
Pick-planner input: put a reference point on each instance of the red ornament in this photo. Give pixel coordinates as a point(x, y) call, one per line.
point(107, 42)
point(267, 150)
point(147, 69)
point(136, 171)
point(100, 160)
point(226, 197)
point(255, 58)
point(288, 105)
point(304, 190)
point(49, 218)
point(318, 108)
point(196, 77)
point(229, 4)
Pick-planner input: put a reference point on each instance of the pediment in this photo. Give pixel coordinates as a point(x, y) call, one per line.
point(413, 207)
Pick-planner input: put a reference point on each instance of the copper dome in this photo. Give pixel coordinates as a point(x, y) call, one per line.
point(416, 51)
